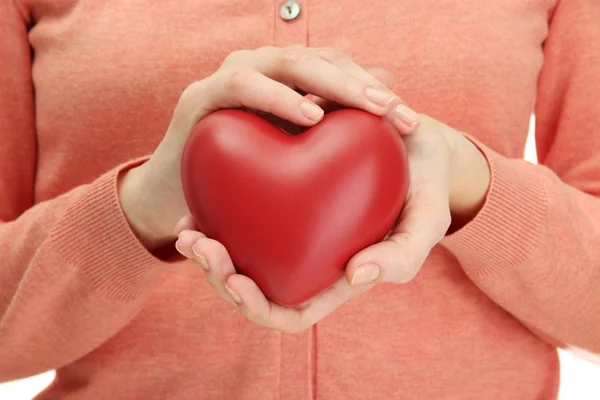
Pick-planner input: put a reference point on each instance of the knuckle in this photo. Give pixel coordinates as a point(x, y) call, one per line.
point(229, 59)
point(346, 82)
point(239, 78)
point(187, 109)
point(235, 57)
point(445, 221)
point(263, 51)
point(191, 91)
point(440, 213)
point(333, 55)
point(294, 55)
point(296, 48)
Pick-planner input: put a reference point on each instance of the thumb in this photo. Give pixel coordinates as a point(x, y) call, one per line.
point(386, 261)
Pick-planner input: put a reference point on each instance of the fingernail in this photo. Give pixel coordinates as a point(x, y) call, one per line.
point(311, 110)
point(365, 273)
point(201, 259)
point(234, 295)
point(379, 97)
point(178, 249)
point(407, 115)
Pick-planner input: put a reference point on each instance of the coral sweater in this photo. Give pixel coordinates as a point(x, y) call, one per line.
point(87, 88)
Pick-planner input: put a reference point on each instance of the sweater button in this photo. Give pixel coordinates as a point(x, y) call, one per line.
point(289, 10)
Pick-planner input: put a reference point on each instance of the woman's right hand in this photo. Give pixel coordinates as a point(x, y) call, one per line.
point(268, 80)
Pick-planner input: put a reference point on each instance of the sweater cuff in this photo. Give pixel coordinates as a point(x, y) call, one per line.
point(508, 228)
point(94, 236)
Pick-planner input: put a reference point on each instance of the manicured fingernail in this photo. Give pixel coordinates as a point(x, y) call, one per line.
point(365, 273)
point(234, 295)
point(201, 259)
point(379, 97)
point(407, 115)
point(311, 110)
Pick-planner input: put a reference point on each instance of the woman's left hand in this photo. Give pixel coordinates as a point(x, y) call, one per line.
point(449, 180)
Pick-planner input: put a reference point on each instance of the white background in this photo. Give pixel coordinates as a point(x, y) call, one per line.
point(580, 379)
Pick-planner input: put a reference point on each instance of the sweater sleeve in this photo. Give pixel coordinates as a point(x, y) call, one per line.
point(534, 247)
point(72, 273)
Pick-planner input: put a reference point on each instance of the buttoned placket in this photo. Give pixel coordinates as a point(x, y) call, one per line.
point(291, 23)
point(298, 362)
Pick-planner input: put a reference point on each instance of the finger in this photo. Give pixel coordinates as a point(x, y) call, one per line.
point(307, 71)
point(404, 118)
point(327, 105)
point(261, 311)
point(219, 268)
point(249, 88)
point(185, 242)
point(329, 300)
point(398, 113)
point(384, 76)
point(258, 309)
point(242, 88)
point(287, 126)
point(252, 302)
point(185, 223)
point(249, 300)
point(346, 63)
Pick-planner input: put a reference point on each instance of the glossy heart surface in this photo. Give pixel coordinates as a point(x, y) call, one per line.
point(293, 209)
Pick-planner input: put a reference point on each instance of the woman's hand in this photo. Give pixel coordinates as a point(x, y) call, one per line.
point(449, 181)
point(267, 80)
point(449, 176)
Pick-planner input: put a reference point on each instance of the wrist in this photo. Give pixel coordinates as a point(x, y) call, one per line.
point(469, 182)
point(136, 197)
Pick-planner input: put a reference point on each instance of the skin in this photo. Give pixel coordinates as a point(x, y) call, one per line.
point(449, 175)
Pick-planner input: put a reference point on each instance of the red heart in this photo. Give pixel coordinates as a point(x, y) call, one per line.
point(293, 209)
